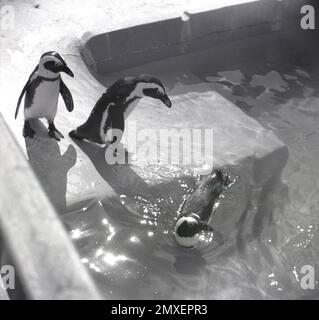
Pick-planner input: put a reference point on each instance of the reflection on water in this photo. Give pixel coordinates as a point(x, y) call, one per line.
point(127, 242)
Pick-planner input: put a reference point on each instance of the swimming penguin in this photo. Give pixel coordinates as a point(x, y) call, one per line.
point(197, 209)
point(42, 92)
point(115, 105)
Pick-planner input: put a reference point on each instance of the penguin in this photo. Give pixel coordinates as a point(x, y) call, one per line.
point(115, 105)
point(198, 207)
point(42, 92)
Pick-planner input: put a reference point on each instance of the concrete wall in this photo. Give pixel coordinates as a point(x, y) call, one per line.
point(126, 48)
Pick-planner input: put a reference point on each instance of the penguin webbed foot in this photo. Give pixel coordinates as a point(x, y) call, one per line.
point(73, 134)
point(54, 132)
point(27, 130)
point(55, 135)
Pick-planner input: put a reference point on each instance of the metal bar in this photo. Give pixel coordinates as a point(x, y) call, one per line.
point(44, 257)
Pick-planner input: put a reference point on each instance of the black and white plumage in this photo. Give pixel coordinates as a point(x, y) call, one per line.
point(197, 209)
point(115, 105)
point(42, 91)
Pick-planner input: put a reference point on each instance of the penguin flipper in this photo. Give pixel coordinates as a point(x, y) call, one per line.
point(24, 90)
point(66, 95)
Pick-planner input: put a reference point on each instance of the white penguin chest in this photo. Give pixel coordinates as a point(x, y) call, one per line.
point(45, 101)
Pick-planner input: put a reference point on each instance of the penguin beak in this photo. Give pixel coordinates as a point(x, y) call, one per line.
point(165, 99)
point(67, 70)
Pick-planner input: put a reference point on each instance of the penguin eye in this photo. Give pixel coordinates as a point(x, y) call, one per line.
point(49, 65)
point(151, 92)
point(52, 65)
point(148, 92)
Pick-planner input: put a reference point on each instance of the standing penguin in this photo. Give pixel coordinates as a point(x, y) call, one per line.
point(111, 110)
point(42, 92)
point(197, 209)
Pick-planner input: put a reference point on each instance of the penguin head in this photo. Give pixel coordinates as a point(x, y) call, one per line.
point(51, 63)
point(187, 231)
point(149, 86)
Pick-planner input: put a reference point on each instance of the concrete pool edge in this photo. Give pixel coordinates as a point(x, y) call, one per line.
point(119, 49)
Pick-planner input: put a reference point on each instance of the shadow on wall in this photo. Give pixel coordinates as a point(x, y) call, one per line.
point(50, 166)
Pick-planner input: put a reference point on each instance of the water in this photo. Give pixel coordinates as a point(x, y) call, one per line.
point(126, 240)
point(283, 96)
point(127, 243)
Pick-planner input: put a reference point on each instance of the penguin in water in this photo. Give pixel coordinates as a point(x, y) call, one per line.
point(42, 92)
point(107, 119)
point(197, 209)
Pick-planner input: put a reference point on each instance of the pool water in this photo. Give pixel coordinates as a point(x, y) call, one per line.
point(283, 96)
point(127, 242)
